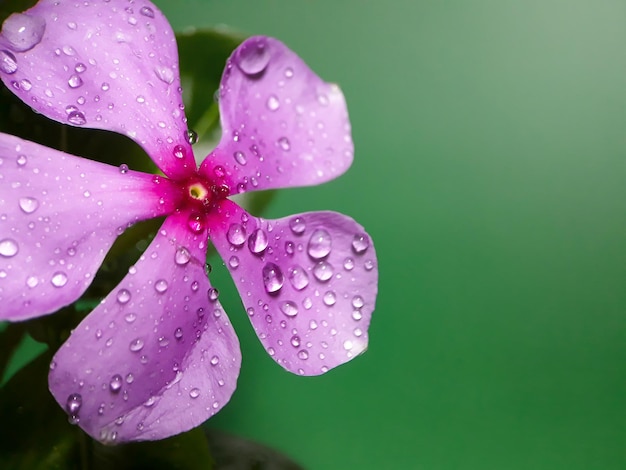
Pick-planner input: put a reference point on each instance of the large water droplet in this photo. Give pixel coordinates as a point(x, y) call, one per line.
point(284, 143)
point(357, 301)
point(136, 345)
point(289, 308)
point(72, 406)
point(194, 392)
point(182, 256)
point(257, 242)
point(179, 152)
point(323, 271)
point(298, 277)
point(192, 136)
point(236, 235)
point(59, 279)
point(360, 243)
point(319, 244)
point(297, 225)
point(196, 222)
point(330, 298)
point(8, 63)
point(272, 103)
point(213, 294)
point(29, 204)
point(273, 278)
point(77, 118)
point(240, 158)
point(115, 385)
point(123, 296)
point(147, 11)
point(22, 31)
point(75, 81)
point(253, 56)
point(160, 286)
point(165, 74)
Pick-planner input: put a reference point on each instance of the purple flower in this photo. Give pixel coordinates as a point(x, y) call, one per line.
point(158, 356)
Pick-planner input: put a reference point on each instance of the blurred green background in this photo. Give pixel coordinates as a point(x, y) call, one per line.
point(490, 168)
point(490, 171)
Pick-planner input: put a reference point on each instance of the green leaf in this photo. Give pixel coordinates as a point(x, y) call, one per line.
point(203, 54)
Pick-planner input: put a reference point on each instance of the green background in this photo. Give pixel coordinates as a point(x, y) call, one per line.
point(490, 171)
point(490, 168)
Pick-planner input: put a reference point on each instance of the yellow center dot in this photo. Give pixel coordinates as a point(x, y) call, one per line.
point(198, 191)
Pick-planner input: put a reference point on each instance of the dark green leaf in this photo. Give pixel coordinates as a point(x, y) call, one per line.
point(203, 54)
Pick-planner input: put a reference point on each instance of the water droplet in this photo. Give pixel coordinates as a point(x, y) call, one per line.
point(357, 301)
point(295, 341)
point(105, 86)
point(123, 296)
point(257, 242)
point(182, 256)
point(273, 278)
point(358, 332)
point(192, 136)
point(290, 247)
point(289, 308)
point(323, 271)
point(194, 392)
point(289, 72)
point(77, 118)
point(298, 277)
point(32, 281)
point(319, 244)
point(179, 152)
point(213, 294)
point(25, 84)
point(347, 345)
point(272, 103)
point(147, 11)
point(240, 157)
point(284, 143)
point(253, 56)
point(115, 385)
point(215, 360)
point(236, 235)
point(160, 286)
point(369, 265)
point(59, 279)
point(22, 31)
point(21, 160)
point(165, 74)
point(73, 404)
point(196, 222)
point(357, 315)
point(75, 81)
point(8, 63)
point(130, 317)
point(80, 67)
point(297, 225)
point(303, 354)
point(123, 168)
point(322, 99)
point(330, 298)
point(233, 262)
point(360, 243)
point(29, 204)
point(136, 345)
point(178, 333)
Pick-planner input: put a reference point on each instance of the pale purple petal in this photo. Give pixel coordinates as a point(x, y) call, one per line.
point(281, 124)
point(308, 283)
point(158, 356)
point(106, 65)
point(59, 215)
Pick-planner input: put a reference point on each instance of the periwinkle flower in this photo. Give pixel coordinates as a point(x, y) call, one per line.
point(158, 356)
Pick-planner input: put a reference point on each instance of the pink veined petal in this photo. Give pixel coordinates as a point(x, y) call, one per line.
point(281, 124)
point(308, 282)
point(158, 356)
point(59, 215)
point(106, 65)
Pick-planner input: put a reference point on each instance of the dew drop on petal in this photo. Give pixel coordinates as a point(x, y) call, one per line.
point(179, 152)
point(319, 244)
point(123, 296)
point(22, 31)
point(257, 242)
point(240, 157)
point(233, 262)
point(160, 286)
point(192, 136)
point(182, 256)
point(348, 264)
point(75, 81)
point(360, 243)
point(115, 385)
point(194, 392)
point(298, 277)
point(28, 204)
point(357, 301)
point(323, 271)
point(8, 63)
point(165, 74)
point(147, 11)
point(213, 294)
point(303, 354)
point(136, 345)
point(330, 298)
point(283, 143)
point(273, 278)
point(297, 225)
point(77, 118)
point(123, 168)
point(272, 103)
point(73, 404)
point(196, 222)
point(236, 235)
point(178, 333)
point(253, 56)
point(289, 308)
point(357, 315)
point(59, 279)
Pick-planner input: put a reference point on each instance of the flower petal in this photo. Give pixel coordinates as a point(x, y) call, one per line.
point(59, 215)
point(158, 356)
point(281, 124)
point(106, 65)
point(308, 283)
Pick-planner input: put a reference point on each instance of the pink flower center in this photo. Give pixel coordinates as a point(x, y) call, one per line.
point(199, 197)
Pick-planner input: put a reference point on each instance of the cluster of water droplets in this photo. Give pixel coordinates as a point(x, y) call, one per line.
point(311, 285)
